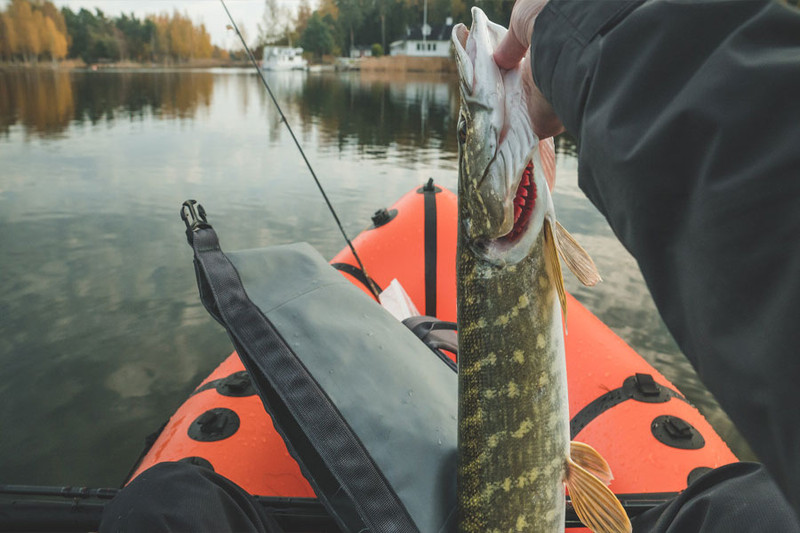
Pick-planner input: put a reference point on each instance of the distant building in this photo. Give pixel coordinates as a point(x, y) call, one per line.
point(436, 44)
point(360, 51)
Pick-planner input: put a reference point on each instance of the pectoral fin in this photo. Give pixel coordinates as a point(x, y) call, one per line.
point(551, 253)
point(594, 503)
point(576, 258)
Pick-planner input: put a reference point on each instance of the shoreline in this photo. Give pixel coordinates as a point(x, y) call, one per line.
point(444, 65)
point(77, 64)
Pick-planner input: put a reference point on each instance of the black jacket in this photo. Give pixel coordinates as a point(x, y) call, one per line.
point(687, 116)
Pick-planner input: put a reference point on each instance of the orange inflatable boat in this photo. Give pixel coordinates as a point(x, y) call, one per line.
point(653, 439)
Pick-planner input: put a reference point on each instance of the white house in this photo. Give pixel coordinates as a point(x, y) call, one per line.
point(436, 44)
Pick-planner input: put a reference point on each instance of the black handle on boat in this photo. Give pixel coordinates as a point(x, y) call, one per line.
point(81, 508)
point(194, 218)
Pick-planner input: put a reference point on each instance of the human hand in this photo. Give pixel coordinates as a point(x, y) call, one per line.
point(512, 49)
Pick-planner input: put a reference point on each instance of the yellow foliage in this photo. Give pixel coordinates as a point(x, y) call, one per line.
point(9, 46)
point(36, 29)
point(56, 42)
point(177, 38)
point(32, 30)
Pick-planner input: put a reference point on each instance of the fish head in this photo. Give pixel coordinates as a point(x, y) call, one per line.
point(502, 165)
point(481, 119)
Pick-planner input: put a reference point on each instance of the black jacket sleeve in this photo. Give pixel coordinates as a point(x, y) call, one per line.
point(687, 116)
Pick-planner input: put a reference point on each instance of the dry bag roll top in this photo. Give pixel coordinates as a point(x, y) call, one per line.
point(365, 408)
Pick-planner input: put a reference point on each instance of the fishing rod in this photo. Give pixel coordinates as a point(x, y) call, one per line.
point(370, 284)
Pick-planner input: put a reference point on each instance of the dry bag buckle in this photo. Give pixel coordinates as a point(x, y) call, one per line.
point(195, 219)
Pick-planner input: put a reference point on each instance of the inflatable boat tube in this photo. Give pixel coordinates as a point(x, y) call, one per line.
point(653, 439)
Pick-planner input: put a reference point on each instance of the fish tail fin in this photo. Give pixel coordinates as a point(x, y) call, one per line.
point(594, 503)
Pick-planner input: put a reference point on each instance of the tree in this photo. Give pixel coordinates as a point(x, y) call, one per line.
point(180, 36)
point(351, 14)
point(9, 46)
point(55, 42)
point(275, 24)
point(22, 16)
point(35, 29)
point(138, 36)
point(201, 43)
point(94, 37)
point(304, 13)
point(317, 36)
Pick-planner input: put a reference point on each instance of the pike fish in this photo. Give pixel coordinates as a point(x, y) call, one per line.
point(515, 455)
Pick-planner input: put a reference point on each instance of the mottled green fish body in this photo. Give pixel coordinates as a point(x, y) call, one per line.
point(515, 457)
point(513, 423)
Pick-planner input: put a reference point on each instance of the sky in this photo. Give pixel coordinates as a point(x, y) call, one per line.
point(246, 13)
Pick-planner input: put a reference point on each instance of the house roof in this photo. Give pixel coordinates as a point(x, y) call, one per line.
point(439, 32)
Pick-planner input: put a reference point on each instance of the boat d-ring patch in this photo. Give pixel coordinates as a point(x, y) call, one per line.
point(677, 433)
point(213, 425)
point(237, 385)
point(382, 216)
point(639, 387)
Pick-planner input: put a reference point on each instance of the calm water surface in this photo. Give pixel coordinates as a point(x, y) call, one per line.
point(101, 331)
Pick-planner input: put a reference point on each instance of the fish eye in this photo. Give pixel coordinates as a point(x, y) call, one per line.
point(462, 131)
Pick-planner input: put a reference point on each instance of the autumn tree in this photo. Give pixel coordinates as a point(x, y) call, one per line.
point(27, 33)
point(54, 42)
point(180, 36)
point(32, 31)
point(9, 46)
point(201, 43)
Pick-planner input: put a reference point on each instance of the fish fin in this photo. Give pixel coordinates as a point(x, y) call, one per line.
point(594, 503)
point(587, 457)
point(551, 253)
point(576, 258)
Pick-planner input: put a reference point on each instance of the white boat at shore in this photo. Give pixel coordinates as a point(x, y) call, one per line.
point(283, 58)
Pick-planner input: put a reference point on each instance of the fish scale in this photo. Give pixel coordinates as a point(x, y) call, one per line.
point(513, 432)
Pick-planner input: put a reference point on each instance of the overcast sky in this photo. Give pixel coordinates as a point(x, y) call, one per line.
point(209, 12)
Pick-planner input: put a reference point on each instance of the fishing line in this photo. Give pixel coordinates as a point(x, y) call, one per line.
point(370, 283)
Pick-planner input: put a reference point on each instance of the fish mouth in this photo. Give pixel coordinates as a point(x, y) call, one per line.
point(530, 205)
point(524, 203)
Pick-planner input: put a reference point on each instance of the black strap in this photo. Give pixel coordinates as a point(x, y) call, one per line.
point(358, 274)
point(429, 193)
point(343, 475)
point(437, 334)
point(639, 387)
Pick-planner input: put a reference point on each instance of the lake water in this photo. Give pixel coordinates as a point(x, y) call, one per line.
point(102, 334)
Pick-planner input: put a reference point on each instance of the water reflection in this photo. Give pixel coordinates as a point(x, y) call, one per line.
point(40, 100)
point(46, 101)
point(108, 96)
point(370, 109)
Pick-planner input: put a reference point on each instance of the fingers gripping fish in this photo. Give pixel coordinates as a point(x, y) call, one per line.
point(514, 451)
